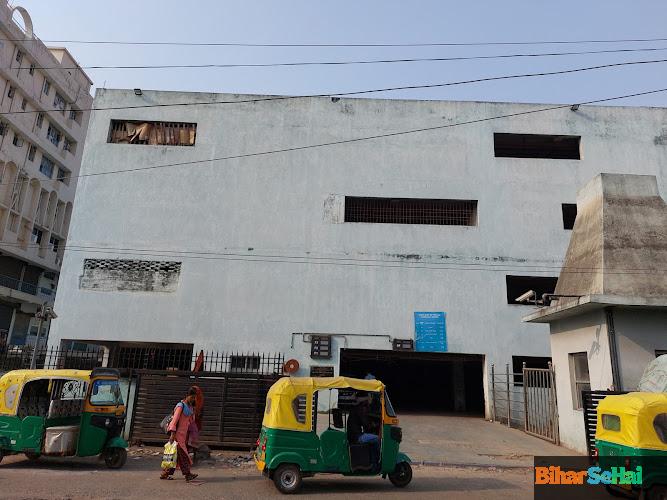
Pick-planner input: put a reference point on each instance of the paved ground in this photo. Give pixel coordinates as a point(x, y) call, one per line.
point(482, 460)
point(470, 440)
point(84, 479)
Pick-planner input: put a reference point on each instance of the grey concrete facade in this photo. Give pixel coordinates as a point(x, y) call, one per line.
point(264, 248)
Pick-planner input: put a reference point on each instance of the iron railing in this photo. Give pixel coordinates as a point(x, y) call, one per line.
point(16, 284)
point(128, 359)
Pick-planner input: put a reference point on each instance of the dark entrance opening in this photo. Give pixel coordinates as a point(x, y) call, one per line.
point(422, 381)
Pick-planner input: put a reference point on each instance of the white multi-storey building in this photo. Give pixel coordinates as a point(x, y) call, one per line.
point(273, 225)
point(44, 110)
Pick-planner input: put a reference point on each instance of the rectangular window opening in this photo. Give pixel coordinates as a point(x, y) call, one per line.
point(244, 364)
point(32, 69)
point(46, 166)
point(579, 377)
point(569, 215)
point(31, 152)
point(411, 211)
point(518, 285)
point(558, 147)
point(152, 133)
point(531, 362)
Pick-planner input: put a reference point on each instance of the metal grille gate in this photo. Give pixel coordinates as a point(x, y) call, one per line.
point(539, 399)
point(233, 405)
point(526, 400)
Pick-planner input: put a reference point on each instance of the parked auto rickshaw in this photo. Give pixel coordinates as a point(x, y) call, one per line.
point(63, 413)
point(298, 441)
point(632, 431)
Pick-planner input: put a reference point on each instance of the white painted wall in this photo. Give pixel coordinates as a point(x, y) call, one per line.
point(272, 205)
point(583, 333)
point(639, 333)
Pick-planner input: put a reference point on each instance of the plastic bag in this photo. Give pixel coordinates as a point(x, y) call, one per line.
point(169, 455)
point(164, 424)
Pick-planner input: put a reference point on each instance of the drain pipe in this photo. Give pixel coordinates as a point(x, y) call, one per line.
point(613, 351)
point(305, 336)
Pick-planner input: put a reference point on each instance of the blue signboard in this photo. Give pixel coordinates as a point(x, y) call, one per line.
point(430, 332)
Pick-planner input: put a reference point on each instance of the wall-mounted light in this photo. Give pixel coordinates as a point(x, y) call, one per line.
point(138, 92)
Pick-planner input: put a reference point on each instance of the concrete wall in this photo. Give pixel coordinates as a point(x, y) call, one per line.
point(275, 261)
point(639, 333)
point(583, 333)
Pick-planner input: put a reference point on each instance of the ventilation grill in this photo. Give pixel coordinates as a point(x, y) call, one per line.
point(130, 275)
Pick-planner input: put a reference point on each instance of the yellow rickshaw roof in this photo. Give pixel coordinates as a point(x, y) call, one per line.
point(11, 384)
point(280, 411)
point(28, 375)
point(293, 385)
point(636, 411)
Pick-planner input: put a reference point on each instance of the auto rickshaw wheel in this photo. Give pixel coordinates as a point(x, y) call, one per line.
point(402, 475)
point(287, 478)
point(32, 456)
point(115, 458)
point(657, 492)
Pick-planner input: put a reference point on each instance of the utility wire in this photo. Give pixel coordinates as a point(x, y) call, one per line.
point(342, 261)
point(343, 63)
point(352, 93)
point(418, 44)
point(347, 141)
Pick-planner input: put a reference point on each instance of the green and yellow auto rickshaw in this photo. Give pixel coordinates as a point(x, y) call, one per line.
point(63, 413)
point(631, 432)
point(304, 432)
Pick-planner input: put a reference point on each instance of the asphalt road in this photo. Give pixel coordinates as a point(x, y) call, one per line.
point(63, 479)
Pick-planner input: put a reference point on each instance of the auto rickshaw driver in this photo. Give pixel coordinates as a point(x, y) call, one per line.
point(361, 429)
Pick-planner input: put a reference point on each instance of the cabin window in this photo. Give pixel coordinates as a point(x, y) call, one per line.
point(299, 408)
point(611, 422)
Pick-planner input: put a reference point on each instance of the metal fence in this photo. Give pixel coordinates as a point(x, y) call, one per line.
point(526, 400)
point(590, 401)
point(131, 359)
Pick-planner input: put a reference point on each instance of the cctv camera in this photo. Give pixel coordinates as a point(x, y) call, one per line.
point(530, 294)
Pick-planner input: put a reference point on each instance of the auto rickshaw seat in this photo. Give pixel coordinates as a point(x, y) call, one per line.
point(361, 457)
point(61, 408)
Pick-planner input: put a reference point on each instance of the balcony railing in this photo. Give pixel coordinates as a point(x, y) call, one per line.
point(19, 285)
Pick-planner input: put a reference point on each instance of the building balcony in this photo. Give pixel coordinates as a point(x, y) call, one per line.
point(14, 290)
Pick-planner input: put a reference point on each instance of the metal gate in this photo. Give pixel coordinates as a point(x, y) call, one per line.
point(526, 400)
point(233, 405)
point(539, 399)
point(590, 401)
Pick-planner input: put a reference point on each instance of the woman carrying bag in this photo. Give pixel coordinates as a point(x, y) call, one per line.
point(183, 417)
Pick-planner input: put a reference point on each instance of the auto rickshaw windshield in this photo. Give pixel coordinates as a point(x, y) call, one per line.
point(106, 393)
point(388, 408)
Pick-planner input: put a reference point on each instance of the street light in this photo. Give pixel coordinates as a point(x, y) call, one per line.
point(43, 313)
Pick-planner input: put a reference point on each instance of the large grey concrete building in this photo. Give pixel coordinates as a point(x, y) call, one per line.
point(400, 255)
point(44, 107)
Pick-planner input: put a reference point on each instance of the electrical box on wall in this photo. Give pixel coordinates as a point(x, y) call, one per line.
point(320, 346)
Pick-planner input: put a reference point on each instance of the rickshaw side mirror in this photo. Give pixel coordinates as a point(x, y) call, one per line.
point(337, 415)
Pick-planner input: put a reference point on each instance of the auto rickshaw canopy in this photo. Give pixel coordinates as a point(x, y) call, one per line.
point(12, 383)
point(636, 412)
point(283, 398)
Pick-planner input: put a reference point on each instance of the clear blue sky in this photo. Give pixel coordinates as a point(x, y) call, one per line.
point(367, 21)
